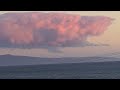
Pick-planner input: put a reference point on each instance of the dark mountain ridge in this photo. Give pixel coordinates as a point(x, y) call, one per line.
point(12, 60)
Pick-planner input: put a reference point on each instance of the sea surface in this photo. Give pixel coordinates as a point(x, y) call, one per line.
point(91, 70)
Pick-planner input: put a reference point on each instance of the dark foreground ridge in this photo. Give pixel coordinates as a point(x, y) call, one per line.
point(93, 70)
point(11, 60)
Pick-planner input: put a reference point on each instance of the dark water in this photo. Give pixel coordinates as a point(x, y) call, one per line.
point(99, 70)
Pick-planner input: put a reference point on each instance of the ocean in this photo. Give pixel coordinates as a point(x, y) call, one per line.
point(91, 70)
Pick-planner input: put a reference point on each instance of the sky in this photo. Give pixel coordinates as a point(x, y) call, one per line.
point(110, 36)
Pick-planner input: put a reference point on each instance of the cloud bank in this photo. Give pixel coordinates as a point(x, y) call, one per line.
point(42, 30)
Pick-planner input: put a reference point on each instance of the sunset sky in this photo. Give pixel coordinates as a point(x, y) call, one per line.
point(110, 36)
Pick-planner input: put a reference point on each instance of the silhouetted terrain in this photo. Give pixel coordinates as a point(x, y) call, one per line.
point(93, 70)
point(10, 60)
point(23, 67)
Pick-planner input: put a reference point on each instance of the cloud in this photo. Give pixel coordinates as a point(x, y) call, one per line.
point(46, 30)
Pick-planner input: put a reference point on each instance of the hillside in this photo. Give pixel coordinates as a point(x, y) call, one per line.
point(11, 60)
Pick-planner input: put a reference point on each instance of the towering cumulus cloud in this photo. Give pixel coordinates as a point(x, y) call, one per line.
point(36, 29)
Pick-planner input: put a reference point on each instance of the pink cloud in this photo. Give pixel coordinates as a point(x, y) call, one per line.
point(37, 29)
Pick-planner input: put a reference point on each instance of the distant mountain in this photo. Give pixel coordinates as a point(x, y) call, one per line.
point(11, 60)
